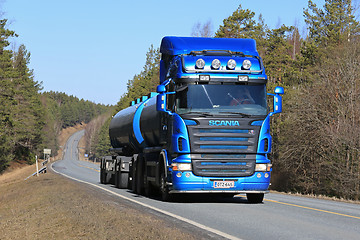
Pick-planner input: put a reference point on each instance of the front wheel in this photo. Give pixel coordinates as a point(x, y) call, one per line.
point(255, 197)
point(164, 189)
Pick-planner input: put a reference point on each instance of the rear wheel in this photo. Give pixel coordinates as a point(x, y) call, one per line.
point(255, 197)
point(102, 176)
point(123, 180)
point(133, 175)
point(140, 175)
point(117, 179)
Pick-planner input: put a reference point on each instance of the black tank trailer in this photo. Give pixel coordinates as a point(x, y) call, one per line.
point(132, 130)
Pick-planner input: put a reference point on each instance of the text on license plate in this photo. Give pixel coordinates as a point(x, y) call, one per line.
point(224, 184)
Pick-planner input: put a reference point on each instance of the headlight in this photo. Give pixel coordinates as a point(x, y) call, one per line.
point(215, 64)
point(231, 64)
point(246, 64)
point(263, 167)
point(200, 63)
point(181, 166)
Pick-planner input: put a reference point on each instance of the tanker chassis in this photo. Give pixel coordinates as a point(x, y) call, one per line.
point(205, 130)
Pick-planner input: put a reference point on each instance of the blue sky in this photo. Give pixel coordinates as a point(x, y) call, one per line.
point(91, 48)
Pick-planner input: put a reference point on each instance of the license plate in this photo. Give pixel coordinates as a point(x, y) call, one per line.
point(224, 184)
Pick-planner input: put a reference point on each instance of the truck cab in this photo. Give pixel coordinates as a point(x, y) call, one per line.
point(213, 95)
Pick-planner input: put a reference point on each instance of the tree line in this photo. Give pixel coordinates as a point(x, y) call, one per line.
point(30, 120)
point(316, 146)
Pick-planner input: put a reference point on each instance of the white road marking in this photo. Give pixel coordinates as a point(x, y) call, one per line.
point(199, 225)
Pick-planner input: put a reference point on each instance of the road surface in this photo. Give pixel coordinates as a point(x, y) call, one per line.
point(279, 217)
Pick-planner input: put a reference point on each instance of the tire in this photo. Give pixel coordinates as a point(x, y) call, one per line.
point(123, 178)
point(150, 190)
point(140, 175)
point(111, 178)
point(116, 180)
point(108, 178)
point(133, 176)
point(164, 189)
point(255, 197)
point(102, 176)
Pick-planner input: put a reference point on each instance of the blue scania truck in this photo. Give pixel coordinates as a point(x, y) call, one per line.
point(205, 130)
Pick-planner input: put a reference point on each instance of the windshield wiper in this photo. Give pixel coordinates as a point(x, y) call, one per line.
point(238, 113)
point(201, 113)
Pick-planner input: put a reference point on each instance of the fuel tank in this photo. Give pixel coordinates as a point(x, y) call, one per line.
point(136, 127)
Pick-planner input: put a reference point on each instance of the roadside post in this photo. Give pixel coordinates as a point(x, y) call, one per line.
point(37, 166)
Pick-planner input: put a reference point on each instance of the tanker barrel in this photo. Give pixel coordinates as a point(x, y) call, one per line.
point(136, 127)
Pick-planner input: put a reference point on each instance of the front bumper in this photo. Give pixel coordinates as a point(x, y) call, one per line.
point(187, 182)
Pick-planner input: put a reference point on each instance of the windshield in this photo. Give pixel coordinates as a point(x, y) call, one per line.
point(222, 99)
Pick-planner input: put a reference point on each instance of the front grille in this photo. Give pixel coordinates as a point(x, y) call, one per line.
point(223, 165)
point(223, 151)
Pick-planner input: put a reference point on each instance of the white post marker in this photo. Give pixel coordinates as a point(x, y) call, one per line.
point(37, 166)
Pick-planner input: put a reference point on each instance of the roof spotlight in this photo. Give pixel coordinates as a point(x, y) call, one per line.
point(231, 64)
point(200, 63)
point(246, 64)
point(215, 64)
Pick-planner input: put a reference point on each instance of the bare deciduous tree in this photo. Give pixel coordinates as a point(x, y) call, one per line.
point(202, 30)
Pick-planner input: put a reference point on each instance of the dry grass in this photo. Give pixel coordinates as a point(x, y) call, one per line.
point(53, 207)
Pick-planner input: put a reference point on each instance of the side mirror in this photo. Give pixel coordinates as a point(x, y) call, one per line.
point(161, 89)
point(279, 90)
point(277, 100)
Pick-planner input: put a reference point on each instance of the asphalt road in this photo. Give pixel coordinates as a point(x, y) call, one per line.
point(279, 217)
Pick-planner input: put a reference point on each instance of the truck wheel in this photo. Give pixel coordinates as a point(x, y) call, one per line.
point(102, 176)
point(108, 178)
point(133, 176)
point(123, 178)
point(164, 189)
point(117, 179)
point(149, 189)
point(255, 197)
point(140, 176)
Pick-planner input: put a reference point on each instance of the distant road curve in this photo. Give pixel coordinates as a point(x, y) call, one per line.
point(279, 217)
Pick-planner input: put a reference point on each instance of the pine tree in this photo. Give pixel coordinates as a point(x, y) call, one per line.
point(27, 112)
point(6, 96)
point(328, 28)
point(277, 59)
point(241, 24)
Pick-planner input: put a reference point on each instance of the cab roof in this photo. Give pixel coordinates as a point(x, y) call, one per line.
point(185, 45)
